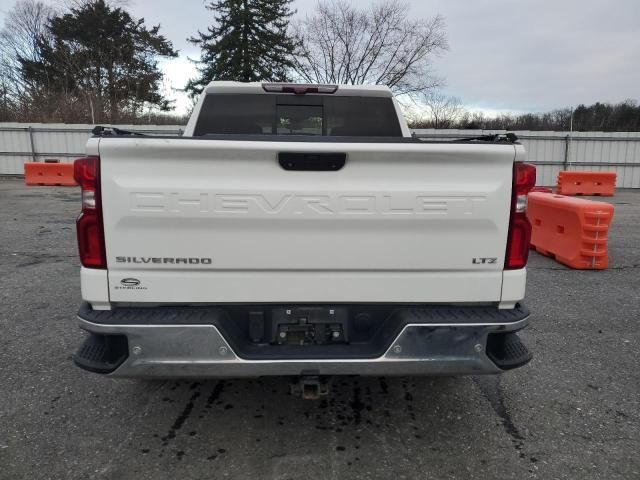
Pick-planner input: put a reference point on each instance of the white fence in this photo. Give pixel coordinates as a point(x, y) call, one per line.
point(554, 151)
point(550, 151)
point(35, 142)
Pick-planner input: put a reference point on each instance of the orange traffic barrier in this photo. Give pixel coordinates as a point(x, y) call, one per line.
point(571, 230)
point(36, 173)
point(542, 189)
point(587, 183)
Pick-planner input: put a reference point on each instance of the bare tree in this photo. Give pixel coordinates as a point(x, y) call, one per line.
point(24, 28)
point(443, 111)
point(340, 43)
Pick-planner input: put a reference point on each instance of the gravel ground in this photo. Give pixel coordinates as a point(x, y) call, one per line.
point(571, 413)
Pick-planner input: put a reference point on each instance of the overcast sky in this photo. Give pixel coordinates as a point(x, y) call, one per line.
point(505, 55)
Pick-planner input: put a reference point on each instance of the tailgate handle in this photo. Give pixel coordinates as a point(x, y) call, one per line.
point(312, 162)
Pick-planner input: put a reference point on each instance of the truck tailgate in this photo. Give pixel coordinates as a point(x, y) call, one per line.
point(208, 220)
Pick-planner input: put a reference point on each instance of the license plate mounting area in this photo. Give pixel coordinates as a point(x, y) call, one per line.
point(310, 326)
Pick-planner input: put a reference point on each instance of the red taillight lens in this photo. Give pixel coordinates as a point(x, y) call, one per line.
point(519, 237)
point(524, 178)
point(86, 172)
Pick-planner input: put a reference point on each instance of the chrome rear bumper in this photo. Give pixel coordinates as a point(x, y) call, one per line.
point(201, 351)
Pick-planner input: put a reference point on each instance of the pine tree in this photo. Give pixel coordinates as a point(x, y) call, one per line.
point(249, 42)
point(100, 56)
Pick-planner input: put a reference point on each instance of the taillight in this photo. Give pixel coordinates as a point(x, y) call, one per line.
point(298, 88)
point(519, 237)
point(86, 172)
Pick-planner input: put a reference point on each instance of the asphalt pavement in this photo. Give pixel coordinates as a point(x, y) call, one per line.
point(572, 413)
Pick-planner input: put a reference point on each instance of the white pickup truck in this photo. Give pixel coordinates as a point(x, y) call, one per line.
point(300, 230)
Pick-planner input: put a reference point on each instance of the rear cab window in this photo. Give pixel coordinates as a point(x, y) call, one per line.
point(319, 115)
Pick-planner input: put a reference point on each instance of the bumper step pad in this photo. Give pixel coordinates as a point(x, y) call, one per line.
point(102, 353)
point(507, 351)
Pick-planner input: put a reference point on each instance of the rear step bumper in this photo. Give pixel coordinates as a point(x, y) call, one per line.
point(197, 342)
